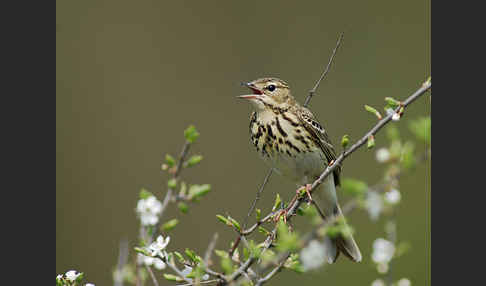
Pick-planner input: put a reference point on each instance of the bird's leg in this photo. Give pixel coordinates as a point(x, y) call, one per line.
point(307, 189)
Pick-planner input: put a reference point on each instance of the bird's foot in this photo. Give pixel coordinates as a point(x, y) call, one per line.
point(280, 213)
point(307, 189)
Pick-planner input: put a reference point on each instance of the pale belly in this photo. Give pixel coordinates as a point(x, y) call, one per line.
point(301, 169)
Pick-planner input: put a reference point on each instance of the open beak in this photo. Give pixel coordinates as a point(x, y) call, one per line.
point(256, 92)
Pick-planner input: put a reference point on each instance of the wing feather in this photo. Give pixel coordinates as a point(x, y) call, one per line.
point(321, 138)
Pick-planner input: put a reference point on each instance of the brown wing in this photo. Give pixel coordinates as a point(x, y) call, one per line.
point(321, 138)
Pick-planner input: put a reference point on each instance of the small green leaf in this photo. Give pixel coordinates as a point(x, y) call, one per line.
point(224, 220)
point(172, 183)
point(278, 200)
point(179, 257)
point(193, 256)
point(221, 253)
point(194, 160)
point(345, 141)
point(373, 110)
point(172, 277)
point(258, 214)
point(170, 160)
point(261, 229)
point(142, 251)
point(191, 134)
point(144, 194)
point(183, 207)
point(391, 103)
point(254, 249)
point(287, 241)
point(171, 224)
point(227, 265)
point(371, 142)
point(197, 191)
point(235, 223)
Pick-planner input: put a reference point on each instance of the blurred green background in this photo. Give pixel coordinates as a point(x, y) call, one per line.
point(132, 75)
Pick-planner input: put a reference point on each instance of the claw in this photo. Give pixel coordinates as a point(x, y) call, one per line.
point(281, 212)
point(307, 191)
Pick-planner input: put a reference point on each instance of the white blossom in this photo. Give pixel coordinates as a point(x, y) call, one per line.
point(72, 275)
point(382, 155)
point(89, 284)
point(313, 256)
point(151, 261)
point(149, 209)
point(159, 245)
point(58, 277)
point(374, 205)
point(393, 196)
point(383, 251)
point(378, 282)
point(188, 269)
point(404, 282)
point(395, 116)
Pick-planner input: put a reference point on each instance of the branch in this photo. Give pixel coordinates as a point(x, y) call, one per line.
point(313, 90)
point(294, 206)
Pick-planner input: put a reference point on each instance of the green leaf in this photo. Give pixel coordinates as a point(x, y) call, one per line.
point(254, 249)
point(194, 160)
point(227, 265)
point(391, 103)
point(197, 191)
point(193, 256)
point(371, 142)
point(183, 207)
point(421, 128)
point(191, 134)
point(221, 253)
point(171, 224)
point(278, 200)
point(172, 183)
point(172, 277)
point(345, 141)
point(235, 223)
point(287, 241)
point(261, 229)
point(170, 160)
point(142, 251)
point(224, 220)
point(144, 194)
point(354, 187)
point(179, 257)
point(373, 110)
point(258, 214)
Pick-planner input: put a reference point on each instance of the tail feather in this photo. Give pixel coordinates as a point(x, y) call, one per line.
point(345, 243)
point(327, 201)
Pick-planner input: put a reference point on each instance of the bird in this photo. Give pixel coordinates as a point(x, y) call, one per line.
point(290, 139)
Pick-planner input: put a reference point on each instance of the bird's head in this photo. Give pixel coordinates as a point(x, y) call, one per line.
point(268, 93)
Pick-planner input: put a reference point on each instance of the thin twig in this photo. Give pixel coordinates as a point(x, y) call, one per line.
point(152, 275)
point(252, 208)
point(209, 251)
point(122, 260)
point(313, 90)
point(202, 282)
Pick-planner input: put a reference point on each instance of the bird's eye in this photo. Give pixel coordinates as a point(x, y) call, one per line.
point(271, 87)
